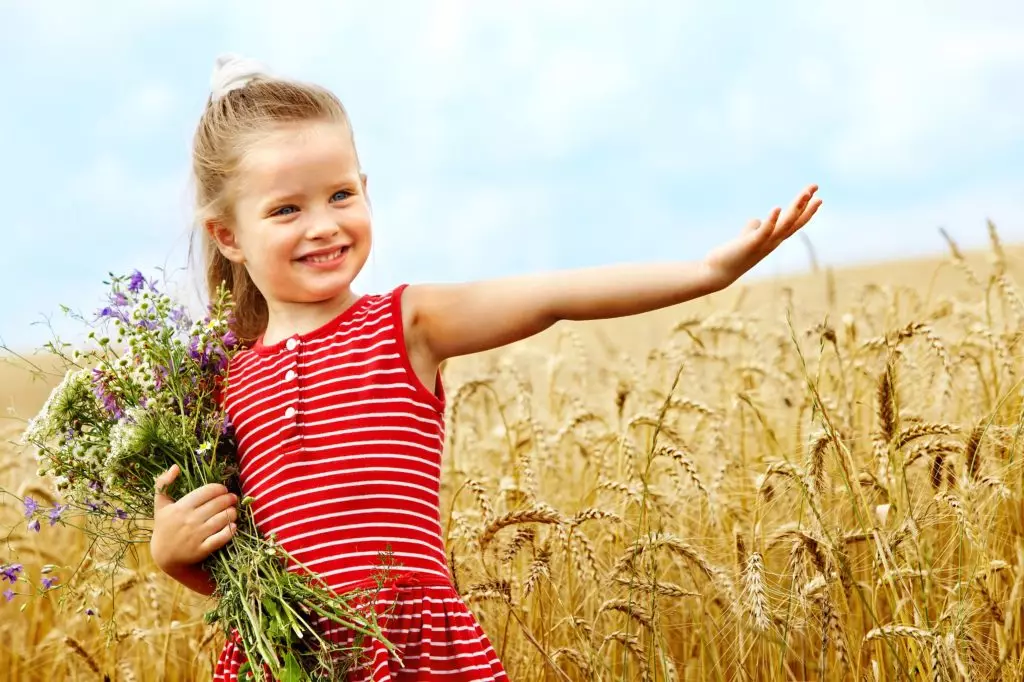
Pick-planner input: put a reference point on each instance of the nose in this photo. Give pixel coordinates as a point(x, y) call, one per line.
point(322, 225)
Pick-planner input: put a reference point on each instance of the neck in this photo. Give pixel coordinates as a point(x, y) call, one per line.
point(285, 318)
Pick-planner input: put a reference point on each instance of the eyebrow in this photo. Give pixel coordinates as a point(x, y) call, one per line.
point(281, 199)
point(278, 199)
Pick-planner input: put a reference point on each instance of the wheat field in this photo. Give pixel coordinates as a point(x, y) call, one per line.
point(811, 478)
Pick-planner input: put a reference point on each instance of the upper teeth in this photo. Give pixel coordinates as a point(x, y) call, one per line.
point(325, 256)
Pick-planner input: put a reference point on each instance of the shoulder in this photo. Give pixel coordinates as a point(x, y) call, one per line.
point(413, 304)
point(409, 302)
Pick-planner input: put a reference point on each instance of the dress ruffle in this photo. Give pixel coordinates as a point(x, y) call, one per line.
point(435, 634)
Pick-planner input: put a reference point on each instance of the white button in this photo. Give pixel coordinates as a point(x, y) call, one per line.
point(290, 375)
point(290, 412)
point(292, 343)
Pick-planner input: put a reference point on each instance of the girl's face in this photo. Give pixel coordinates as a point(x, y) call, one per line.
point(301, 219)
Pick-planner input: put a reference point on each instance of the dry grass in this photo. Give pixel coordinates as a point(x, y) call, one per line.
point(740, 490)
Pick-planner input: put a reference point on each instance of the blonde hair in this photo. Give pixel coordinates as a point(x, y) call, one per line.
point(231, 122)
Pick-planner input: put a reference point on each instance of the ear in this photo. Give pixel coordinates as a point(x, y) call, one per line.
point(224, 238)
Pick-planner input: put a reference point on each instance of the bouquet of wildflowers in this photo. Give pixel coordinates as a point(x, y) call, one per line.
point(144, 398)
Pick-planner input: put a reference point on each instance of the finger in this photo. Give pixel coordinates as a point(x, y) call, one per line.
point(809, 212)
point(752, 226)
point(768, 226)
point(220, 519)
point(796, 210)
point(215, 506)
point(162, 499)
point(218, 539)
point(803, 219)
point(203, 494)
point(807, 198)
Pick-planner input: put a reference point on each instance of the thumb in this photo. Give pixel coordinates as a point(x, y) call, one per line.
point(162, 499)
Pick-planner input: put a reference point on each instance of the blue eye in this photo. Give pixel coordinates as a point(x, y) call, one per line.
point(340, 195)
point(284, 210)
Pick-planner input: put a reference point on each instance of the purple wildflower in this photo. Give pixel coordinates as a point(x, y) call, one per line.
point(208, 356)
point(121, 514)
point(146, 323)
point(90, 612)
point(33, 525)
point(31, 506)
point(194, 351)
point(55, 513)
point(49, 582)
point(113, 313)
point(116, 308)
point(8, 594)
point(220, 360)
point(136, 282)
point(179, 316)
point(102, 392)
point(11, 572)
point(94, 506)
point(230, 339)
point(159, 374)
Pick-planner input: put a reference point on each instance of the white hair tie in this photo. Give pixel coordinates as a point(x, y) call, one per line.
point(231, 72)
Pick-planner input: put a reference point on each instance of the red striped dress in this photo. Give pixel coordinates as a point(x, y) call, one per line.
point(340, 447)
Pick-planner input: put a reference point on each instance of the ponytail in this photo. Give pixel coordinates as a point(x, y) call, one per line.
point(249, 315)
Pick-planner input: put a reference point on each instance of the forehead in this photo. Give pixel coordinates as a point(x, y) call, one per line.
point(295, 152)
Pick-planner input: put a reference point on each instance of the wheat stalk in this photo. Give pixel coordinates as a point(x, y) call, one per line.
point(537, 514)
point(755, 601)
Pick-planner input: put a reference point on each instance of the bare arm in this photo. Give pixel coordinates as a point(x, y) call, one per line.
point(194, 577)
point(458, 319)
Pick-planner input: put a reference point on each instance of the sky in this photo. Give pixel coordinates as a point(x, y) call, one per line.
point(503, 138)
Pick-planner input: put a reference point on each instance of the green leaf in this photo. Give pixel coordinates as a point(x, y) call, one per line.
point(279, 627)
point(292, 670)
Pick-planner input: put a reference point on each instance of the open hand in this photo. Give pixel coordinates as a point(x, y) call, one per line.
point(728, 262)
point(189, 530)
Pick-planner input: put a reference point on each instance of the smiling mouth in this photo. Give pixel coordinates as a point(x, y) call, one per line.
point(326, 257)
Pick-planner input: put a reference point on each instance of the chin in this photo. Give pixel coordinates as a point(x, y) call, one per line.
point(323, 294)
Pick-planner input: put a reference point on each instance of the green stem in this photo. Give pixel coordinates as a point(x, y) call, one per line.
point(258, 640)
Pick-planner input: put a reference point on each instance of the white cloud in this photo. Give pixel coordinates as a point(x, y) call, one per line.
point(544, 76)
point(71, 32)
point(452, 235)
point(461, 108)
point(924, 85)
point(145, 109)
point(883, 90)
point(891, 87)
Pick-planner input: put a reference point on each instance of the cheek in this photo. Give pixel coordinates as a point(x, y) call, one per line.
point(267, 255)
point(363, 224)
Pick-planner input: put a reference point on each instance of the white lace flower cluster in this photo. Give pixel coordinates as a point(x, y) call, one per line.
point(144, 398)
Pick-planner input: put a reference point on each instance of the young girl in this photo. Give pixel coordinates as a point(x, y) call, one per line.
point(337, 399)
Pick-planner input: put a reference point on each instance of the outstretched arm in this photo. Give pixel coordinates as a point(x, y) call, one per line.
point(448, 320)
